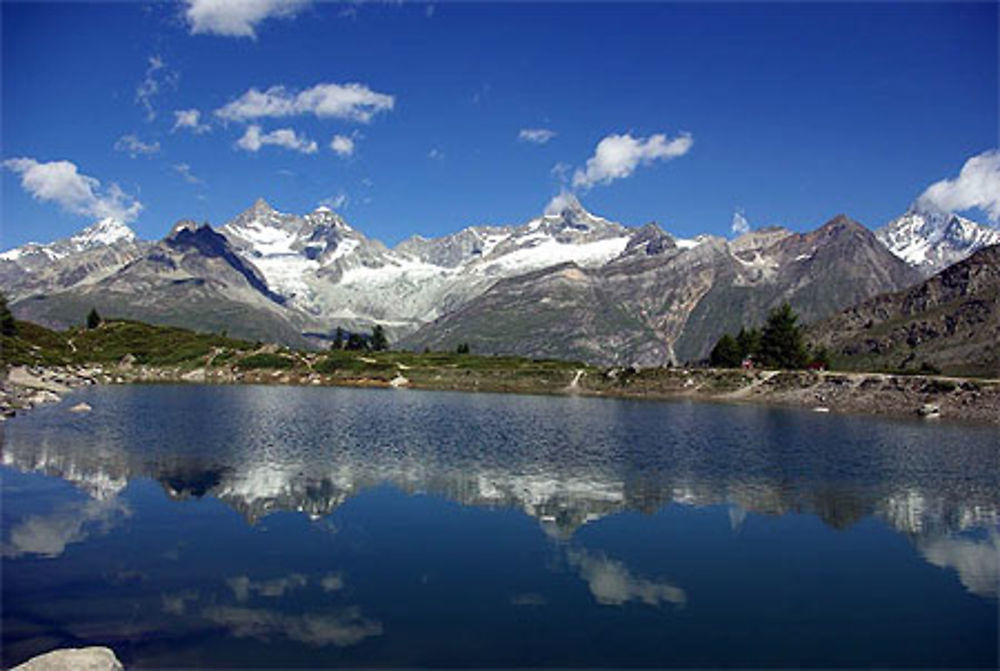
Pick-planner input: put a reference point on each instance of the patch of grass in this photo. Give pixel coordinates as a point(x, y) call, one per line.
point(266, 360)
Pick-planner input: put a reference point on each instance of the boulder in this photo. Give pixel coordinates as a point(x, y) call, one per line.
point(74, 659)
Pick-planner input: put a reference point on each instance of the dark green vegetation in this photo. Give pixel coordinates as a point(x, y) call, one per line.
point(112, 341)
point(948, 324)
point(781, 344)
point(7, 325)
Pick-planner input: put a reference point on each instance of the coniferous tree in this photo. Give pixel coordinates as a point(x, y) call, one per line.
point(338, 339)
point(93, 319)
point(781, 343)
point(378, 339)
point(748, 341)
point(726, 353)
point(7, 325)
point(355, 341)
point(463, 348)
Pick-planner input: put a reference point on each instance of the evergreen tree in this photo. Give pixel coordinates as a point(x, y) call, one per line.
point(749, 342)
point(355, 341)
point(93, 319)
point(463, 348)
point(726, 353)
point(820, 357)
point(7, 325)
point(379, 341)
point(338, 339)
point(781, 343)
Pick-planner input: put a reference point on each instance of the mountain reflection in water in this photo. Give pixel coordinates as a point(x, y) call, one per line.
point(565, 462)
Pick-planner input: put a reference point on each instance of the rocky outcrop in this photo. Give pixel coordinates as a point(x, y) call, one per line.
point(950, 322)
point(73, 659)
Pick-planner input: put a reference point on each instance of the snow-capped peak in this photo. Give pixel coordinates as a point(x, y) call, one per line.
point(107, 231)
point(931, 239)
point(103, 233)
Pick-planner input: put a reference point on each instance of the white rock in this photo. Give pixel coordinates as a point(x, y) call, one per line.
point(74, 659)
point(196, 375)
point(81, 407)
point(399, 381)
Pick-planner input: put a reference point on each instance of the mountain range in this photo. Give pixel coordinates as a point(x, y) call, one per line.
point(565, 284)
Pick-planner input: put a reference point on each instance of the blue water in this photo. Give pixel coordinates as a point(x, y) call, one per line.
point(188, 526)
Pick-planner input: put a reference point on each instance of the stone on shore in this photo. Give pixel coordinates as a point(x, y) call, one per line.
point(74, 659)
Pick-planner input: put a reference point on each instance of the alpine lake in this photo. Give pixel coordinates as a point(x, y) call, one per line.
point(281, 527)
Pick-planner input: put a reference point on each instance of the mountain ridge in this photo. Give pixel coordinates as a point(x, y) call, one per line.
point(664, 298)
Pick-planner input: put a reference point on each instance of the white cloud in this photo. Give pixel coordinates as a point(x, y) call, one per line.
point(133, 146)
point(740, 223)
point(337, 202)
point(342, 145)
point(332, 582)
point(977, 185)
point(564, 201)
point(184, 170)
point(242, 586)
point(48, 535)
point(536, 135)
point(341, 628)
point(976, 561)
point(176, 604)
point(236, 18)
point(354, 102)
point(253, 139)
point(611, 583)
point(190, 120)
point(61, 183)
point(435, 154)
point(617, 156)
point(157, 74)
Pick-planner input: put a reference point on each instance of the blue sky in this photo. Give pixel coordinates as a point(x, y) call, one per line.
point(788, 113)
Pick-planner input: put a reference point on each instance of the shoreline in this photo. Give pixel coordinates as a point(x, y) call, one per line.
point(930, 397)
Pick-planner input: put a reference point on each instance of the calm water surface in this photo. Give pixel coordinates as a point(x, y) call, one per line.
point(281, 527)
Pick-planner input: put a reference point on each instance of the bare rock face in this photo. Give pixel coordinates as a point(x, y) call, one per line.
point(949, 322)
point(74, 659)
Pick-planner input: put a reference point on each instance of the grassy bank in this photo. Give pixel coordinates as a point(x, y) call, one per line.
point(132, 352)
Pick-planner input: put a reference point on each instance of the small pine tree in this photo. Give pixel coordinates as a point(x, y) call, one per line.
point(781, 343)
point(355, 341)
point(726, 353)
point(463, 348)
point(93, 319)
point(8, 326)
point(379, 342)
point(338, 339)
point(749, 342)
point(820, 358)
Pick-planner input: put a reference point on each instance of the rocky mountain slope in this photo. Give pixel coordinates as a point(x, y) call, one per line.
point(949, 322)
point(668, 303)
point(192, 278)
point(93, 253)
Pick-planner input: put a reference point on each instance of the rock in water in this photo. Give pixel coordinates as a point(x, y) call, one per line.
point(74, 659)
point(81, 407)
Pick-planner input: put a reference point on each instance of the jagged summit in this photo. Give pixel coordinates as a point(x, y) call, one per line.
point(182, 225)
point(931, 239)
point(104, 232)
